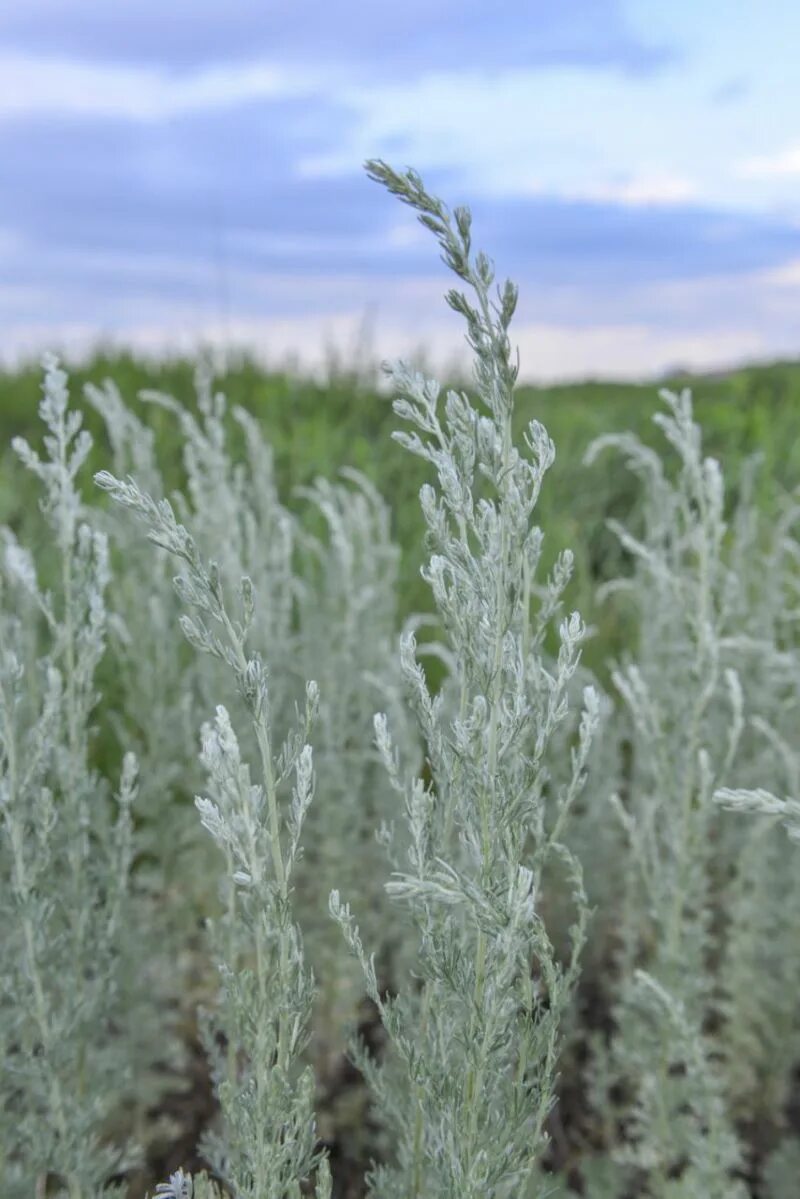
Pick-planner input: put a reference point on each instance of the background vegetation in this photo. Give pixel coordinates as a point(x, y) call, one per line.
point(317, 428)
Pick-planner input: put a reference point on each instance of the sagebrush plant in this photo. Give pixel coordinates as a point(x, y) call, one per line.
point(683, 1009)
point(329, 611)
point(760, 968)
point(685, 723)
point(310, 619)
point(469, 1081)
point(266, 1149)
point(154, 711)
point(573, 912)
point(67, 846)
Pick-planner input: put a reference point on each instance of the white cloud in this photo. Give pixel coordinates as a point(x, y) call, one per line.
point(786, 276)
point(636, 191)
point(631, 351)
point(647, 190)
point(34, 85)
point(782, 165)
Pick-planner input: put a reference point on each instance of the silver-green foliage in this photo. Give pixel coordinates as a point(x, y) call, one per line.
point(762, 803)
point(267, 1148)
point(685, 723)
point(347, 634)
point(469, 1081)
point(155, 712)
point(328, 611)
point(670, 690)
point(760, 968)
point(66, 846)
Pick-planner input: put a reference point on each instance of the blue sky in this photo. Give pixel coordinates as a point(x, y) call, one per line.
point(186, 172)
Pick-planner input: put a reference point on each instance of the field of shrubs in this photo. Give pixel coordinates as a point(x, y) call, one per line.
point(399, 783)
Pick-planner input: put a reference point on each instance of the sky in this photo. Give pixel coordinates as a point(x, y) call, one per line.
point(185, 172)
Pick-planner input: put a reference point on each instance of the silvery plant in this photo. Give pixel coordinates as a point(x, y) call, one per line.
point(468, 1083)
point(68, 1020)
point(310, 617)
point(760, 968)
point(687, 718)
point(328, 570)
point(266, 1148)
point(155, 711)
point(141, 629)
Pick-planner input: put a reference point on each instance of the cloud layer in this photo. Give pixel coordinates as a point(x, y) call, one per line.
point(180, 171)
point(401, 39)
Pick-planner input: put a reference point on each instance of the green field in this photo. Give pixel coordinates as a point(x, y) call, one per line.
point(316, 429)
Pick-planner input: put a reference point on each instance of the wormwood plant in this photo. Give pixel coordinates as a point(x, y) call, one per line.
point(685, 713)
point(469, 1081)
point(330, 575)
point(65, 850)
point(267, 1146)
point(759, 974)
point(153, 711)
